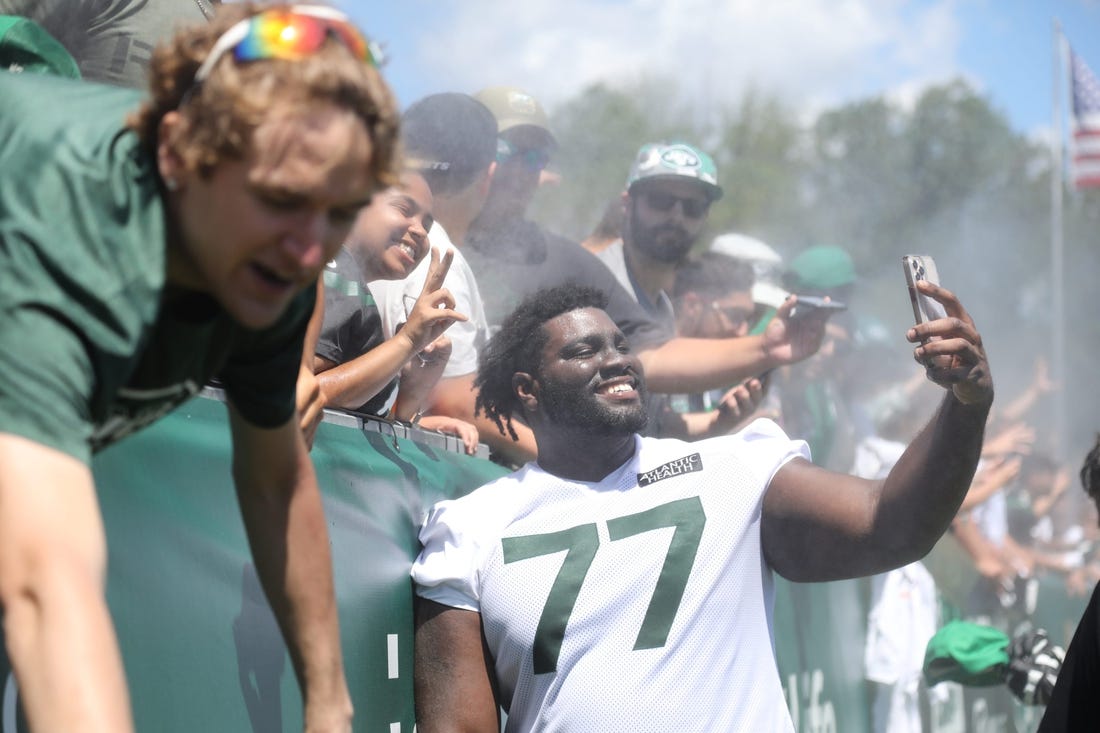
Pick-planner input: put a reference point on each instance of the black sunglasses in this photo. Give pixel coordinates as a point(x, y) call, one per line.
point(693, 208)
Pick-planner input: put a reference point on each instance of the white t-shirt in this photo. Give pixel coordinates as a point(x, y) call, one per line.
point(568, 575)
point(396, 297)
point(615, 258)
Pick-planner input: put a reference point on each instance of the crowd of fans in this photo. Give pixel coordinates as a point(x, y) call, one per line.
point(852, 400)
point(434, 263)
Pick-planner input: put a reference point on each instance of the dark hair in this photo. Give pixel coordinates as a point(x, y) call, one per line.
point(1090, 473)
point(713, 274)
point(516, 348)
point(450, 138)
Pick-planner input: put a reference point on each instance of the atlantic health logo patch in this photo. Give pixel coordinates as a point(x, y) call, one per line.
point(687, 464)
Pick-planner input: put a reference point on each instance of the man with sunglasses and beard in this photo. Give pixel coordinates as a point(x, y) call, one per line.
point(626, 583)
point(149, 245)
point(668, 195)
point(519, 256)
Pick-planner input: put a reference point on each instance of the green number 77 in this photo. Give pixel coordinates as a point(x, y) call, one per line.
point(581, 543)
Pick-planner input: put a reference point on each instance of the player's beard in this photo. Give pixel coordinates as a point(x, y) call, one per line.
point(583, 410)
point(666, 243)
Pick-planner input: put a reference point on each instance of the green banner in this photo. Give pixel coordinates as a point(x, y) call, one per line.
point(819, 633)
point(200, 644)
point(201, 647)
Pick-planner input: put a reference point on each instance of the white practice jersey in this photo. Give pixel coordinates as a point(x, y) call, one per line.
point(641, 603)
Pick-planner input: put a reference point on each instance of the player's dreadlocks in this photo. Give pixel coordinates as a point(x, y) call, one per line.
point(516, 348)
point(1090, 473)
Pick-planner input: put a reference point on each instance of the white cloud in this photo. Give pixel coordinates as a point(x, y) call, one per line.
point(813, 53)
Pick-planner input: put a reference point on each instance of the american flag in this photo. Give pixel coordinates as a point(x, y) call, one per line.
point(1086, 123)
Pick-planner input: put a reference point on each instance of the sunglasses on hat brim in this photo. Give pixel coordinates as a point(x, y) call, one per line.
point(534, 159)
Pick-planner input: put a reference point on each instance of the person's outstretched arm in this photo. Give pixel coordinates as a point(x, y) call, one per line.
point(696, 365)
point(735, 407)
point(283, 516)
point(53, 562)
point(453, 673)
point(818, 525)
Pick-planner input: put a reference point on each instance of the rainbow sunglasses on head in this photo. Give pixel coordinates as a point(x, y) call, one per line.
point(291, 33)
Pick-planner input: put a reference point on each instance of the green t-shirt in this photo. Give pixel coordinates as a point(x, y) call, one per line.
point(93, 346)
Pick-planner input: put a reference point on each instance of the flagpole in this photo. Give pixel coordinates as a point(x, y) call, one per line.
point(1057, 253)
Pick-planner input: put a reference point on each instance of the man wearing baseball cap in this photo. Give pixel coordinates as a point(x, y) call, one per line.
point(667, 197)
point(767, 265)
point(525, 145)
point(517, 255)
point(512, 256)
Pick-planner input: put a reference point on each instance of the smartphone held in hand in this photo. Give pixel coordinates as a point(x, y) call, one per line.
point(807, 304)
point(922, 267)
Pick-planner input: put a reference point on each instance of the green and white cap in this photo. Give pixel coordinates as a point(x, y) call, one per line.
point(675, 160)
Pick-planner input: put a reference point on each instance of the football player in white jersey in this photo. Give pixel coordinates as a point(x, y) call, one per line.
point(626, 583)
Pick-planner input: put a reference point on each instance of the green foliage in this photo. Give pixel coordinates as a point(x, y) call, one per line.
point(759, 166)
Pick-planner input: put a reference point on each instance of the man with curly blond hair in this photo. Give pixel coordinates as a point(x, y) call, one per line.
point(143, 259)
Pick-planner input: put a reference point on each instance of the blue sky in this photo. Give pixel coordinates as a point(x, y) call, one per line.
point(813, 53)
